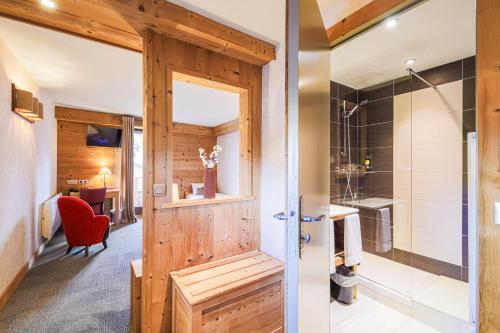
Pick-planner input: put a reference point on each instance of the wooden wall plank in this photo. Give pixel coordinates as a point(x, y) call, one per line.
point(168, 242)
point(488, 132)
point(76, 160)
point(187, 166)
point(92, 117)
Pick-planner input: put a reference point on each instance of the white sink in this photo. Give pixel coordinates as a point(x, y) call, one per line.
point(336, 210)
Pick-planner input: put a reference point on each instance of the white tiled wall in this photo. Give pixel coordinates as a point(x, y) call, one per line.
point(428, 172)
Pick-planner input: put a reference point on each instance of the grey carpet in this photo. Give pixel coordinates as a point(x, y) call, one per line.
point(77, 294)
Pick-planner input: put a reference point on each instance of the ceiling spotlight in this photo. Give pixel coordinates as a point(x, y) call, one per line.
point(48, 3)
point(391, 22)
point(410, 62)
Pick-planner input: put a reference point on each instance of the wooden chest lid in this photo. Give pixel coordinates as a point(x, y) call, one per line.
point(202, 282)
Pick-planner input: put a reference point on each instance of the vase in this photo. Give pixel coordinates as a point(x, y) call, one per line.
point(210, 183)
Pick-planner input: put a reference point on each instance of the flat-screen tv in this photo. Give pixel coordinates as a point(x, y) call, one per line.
point(101, 136)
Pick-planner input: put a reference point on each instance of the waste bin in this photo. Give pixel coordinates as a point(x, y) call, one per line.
point(342, 285)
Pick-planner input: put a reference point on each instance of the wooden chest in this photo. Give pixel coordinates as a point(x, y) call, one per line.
point(242, 293)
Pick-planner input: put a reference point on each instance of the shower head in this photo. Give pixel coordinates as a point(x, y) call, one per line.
point(347, 114)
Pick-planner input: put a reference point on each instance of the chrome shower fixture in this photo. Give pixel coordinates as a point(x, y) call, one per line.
point(412, 72)
point(348, 114)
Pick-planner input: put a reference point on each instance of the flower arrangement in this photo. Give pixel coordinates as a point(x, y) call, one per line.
point(213, 158)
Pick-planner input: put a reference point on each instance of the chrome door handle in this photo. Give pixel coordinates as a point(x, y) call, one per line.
point(310, 219)
point(306, 239)
point(280, 216)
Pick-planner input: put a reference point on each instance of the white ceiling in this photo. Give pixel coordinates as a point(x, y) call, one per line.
point(198, 105)
point(76, 71)
point(435, 32)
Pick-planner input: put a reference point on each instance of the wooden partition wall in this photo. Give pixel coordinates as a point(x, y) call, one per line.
point(178, 236)
point(488, 133)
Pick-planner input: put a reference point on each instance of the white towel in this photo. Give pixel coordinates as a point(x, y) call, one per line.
point(353, 248)
point(383, 236)
point(332, 246)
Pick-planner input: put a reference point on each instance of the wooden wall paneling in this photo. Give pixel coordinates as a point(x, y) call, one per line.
point(229, 127)
point(76, 160)
point(187, 166)
point(148, 213)
point(92, 117)
point(488, 132)
point(167, 231)
point(168, 132)
point(245, 142)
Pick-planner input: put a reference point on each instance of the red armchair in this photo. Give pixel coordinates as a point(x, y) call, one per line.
point(81, 226)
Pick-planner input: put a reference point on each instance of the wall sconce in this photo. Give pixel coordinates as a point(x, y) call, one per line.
point(25, 105)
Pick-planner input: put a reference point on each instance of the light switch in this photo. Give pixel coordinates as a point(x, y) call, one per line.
point(72, 182)
point(496, 214)
point(159, 190)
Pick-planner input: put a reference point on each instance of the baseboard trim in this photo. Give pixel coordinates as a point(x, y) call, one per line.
point(16, 281)
point(13, 285)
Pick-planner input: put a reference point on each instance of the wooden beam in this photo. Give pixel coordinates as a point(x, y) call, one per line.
point(92, 19)
point(364, 18)
point(205, 82)
point(229, 127)
point(488, 133)
point(123, 22)
point(92, 117)
point(179, 23)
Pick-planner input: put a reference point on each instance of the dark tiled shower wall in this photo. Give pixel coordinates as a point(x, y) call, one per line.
point(469, 125)
point(339, 93)
point(372, 132)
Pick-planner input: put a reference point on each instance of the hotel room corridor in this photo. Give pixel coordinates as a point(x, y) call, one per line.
point(73, 293)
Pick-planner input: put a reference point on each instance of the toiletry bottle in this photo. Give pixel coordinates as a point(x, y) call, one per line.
point(368, 162)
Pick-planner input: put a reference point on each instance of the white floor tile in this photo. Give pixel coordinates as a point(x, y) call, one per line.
point(415, 326)
point(340, 312)
point(366, 315)
point(447, 295)
point(398, 277)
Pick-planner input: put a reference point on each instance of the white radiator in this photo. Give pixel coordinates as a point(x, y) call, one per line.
point(50, 218)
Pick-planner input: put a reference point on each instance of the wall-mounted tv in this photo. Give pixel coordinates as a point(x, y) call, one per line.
point(101, 136)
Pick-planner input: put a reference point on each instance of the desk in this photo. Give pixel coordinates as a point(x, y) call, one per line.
point(114, 193)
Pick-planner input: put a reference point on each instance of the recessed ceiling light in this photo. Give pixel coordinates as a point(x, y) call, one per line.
point(48, 3)
point(410, 62)
point(391, 22)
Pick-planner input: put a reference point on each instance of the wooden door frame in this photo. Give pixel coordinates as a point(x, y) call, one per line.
point(245, 120)
point(488, 135)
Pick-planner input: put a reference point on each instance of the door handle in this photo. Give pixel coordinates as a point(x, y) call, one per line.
point(310, 219)
point(281, 216)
